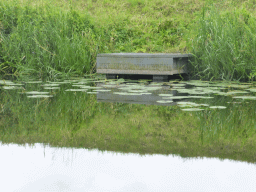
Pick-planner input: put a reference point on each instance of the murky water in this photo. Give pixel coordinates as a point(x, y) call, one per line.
point(44, 168)
point(159, 120)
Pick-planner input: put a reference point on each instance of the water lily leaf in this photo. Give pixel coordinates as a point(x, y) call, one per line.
point(192, 109)
point(37, 93)
point(33, 82)
point(165, 95)
point(218, 107)
point(235, 92)
point(76, 90)
point(164, 101)
point(51, 87)
point(176, 97)
point(12, 87)
point(245, 97)
point(5, 82)
point(152, 88)
point(102, 90)
point(200, 97)
point(239, 86)
point(252, 89)
point(39, 96)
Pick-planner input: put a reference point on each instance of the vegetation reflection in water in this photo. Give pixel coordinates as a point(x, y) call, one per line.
point(190, 118)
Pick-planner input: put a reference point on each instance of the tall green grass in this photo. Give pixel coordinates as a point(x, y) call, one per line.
point(46, 41)
point(224, 44)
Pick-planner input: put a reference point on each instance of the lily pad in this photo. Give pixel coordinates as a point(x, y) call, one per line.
point(200, 97)
point(186, 103)
point(164, 101)
point(252, 89)
point(245, 97)
point(33, 82)
point(218, 107)
point(11, 87)
point(192, 109)
point(165, 95)
point(76, 90)
point(4, 82)
point(51, 87)
point(96, 87)
point(39, 96)
point(37, 93)
point(235, 92)
point(102, 90)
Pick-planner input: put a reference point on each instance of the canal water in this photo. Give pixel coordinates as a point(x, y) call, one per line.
point(43, 168)
point(93, 134)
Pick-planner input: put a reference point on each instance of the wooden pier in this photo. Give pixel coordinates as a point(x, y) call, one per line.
point(160, 65)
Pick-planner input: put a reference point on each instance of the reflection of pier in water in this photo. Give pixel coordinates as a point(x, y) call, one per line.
point(139, 99)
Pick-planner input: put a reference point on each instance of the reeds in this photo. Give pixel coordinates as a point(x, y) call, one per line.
point(224, 45)
point(46, 41)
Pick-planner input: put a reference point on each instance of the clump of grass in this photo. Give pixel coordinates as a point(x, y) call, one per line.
point(45, 41)
point(224, 45)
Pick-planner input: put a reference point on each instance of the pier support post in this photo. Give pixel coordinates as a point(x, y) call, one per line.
point(110, 76)
point(160, 77)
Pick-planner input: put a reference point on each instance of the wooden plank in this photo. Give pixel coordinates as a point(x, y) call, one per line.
point(142, 63)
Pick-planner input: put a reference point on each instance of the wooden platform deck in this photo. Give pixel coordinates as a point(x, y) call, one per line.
point(160, 65)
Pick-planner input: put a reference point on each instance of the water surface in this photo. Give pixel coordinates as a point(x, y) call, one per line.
point(44, 168)
point(123, 135)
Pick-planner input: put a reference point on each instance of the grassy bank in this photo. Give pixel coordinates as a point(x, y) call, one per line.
point(224, 44)
point(52, 38)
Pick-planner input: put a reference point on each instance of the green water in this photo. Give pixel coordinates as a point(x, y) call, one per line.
point(188, 118)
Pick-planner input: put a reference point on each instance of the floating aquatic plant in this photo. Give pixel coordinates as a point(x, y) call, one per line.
point(165, 95)
point(217, 107)
point(102, 90)
point(39, 96)
point(164, 101)
point(245, 97)
point(12, 87)
point(76, 89)
point(92, 92)
point(252, 89)
point(176, 97)
point(51, 87)
point(33, 82)
point(192, 109)
point(37, 93)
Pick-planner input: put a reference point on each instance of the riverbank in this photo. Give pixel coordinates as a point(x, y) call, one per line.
point(48, 39)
